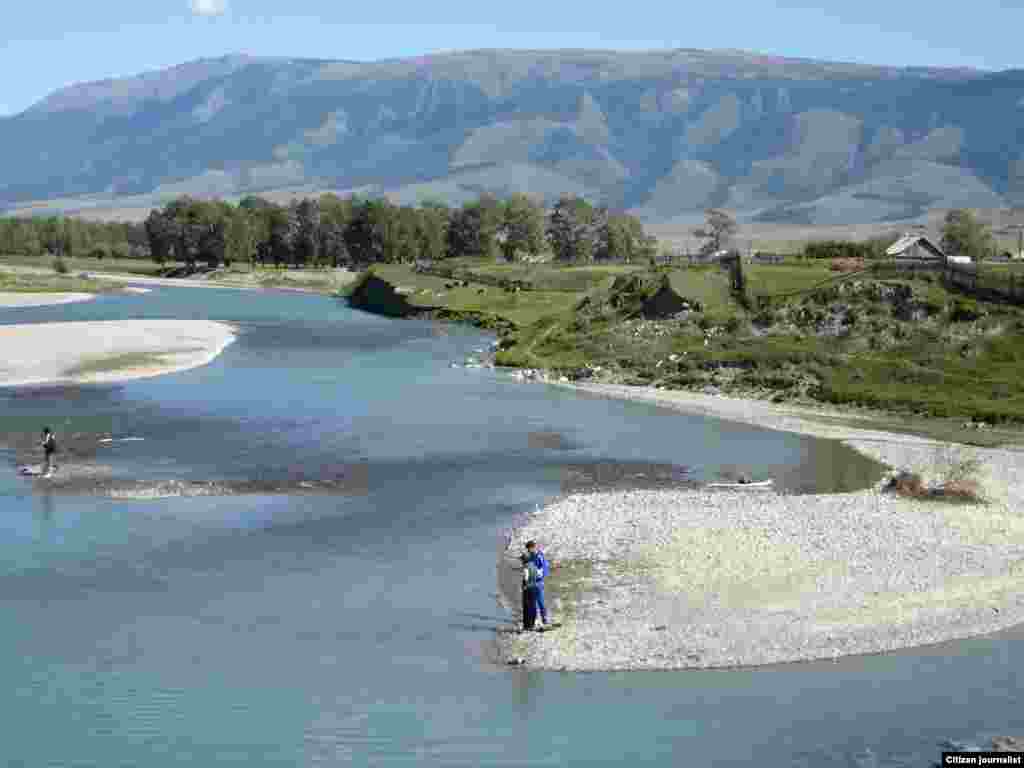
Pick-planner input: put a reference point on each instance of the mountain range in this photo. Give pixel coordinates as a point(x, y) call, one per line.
point(662, 133)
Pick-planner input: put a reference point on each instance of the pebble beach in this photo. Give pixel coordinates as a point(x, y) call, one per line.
point(671, 579)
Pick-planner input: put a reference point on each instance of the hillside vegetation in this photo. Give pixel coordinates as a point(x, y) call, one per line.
point(906, 345)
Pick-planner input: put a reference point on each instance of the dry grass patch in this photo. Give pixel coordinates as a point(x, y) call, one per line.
point(900, 608)
point(739, 568)
point(122, 362)
point(954, 471)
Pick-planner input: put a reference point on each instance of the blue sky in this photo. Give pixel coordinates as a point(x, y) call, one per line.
point(46, 45)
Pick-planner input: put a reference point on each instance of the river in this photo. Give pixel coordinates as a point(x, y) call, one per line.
point(285, 629)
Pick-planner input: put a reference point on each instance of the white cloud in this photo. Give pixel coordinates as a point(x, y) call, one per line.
point(209, 7)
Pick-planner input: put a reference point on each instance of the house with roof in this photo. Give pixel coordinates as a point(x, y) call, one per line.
point(916, 248)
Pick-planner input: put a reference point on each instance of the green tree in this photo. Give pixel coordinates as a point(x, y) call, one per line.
point(403, 231)
point(432, 230)
point(366, 235)
point(184, 213)
point(161, 235)
point(240, 237)
point(572, 229)
point(335, 214)
point(621, 237)
point(719, 228)
point(963, 234)
point(282, 233)
point(472, 229)
point(521, 227)
point(213, 223)
point(307, 236)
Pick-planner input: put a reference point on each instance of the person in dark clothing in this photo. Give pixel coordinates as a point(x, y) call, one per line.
point(49, 444)
point(536, 558)
point(529, 594)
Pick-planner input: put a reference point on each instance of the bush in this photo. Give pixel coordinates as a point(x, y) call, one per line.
point(907, 484)
point(60, 266)
point(962, 312)
point(839, 249)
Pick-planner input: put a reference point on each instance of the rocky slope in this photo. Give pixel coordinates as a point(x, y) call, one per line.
point(664, 133)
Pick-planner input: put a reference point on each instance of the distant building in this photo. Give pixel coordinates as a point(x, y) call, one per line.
point(709, 257)
point(958, 259)
point(916, 248)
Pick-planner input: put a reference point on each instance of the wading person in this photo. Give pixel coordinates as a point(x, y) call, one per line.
point(49, 443)
point(536, 558)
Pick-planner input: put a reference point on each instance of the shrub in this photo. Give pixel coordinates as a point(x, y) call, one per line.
point(838, 249)
point(962, 312)
point(60, 266)
point(955, 473)
point(907, 484)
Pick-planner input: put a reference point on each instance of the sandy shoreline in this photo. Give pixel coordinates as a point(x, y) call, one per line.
point(701, 579)
point(106, 351)
point(293, 280)
point(11, 299)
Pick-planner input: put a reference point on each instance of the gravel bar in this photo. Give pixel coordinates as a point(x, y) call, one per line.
point(670, 579)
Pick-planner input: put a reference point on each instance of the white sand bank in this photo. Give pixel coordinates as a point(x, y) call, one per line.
point(300, 280)
point(10, 299)
point(105, 351)
point(673, 579)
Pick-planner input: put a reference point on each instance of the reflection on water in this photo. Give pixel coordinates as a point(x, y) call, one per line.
point(282, 629)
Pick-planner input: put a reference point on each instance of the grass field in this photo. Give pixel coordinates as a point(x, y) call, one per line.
point(786, 278)
point(550, 277)
point(708, 285)
point(84, 264)
point(523, 308)
point(12, 282)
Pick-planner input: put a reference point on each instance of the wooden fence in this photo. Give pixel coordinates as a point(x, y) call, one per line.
point(972, 279)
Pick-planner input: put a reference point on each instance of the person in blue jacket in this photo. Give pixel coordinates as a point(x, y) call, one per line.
point(535, 556)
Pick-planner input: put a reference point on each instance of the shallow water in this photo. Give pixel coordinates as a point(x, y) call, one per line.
point(319, 630)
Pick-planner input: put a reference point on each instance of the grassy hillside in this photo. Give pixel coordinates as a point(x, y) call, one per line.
point(908, 345)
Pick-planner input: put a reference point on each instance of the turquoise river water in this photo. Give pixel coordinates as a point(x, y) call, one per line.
point(356, 628)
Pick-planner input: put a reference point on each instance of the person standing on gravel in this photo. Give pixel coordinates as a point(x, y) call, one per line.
point(529, 584)
point(535, 558)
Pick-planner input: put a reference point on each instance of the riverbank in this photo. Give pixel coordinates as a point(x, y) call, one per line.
point(329, 281)
point(106, 351)
point(699, 579)
point(27, 299)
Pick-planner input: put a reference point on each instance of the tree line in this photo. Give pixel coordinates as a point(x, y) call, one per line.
point(335, 231)
point(64, 236)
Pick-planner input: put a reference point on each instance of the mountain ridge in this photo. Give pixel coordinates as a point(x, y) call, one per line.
point(660, 132)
